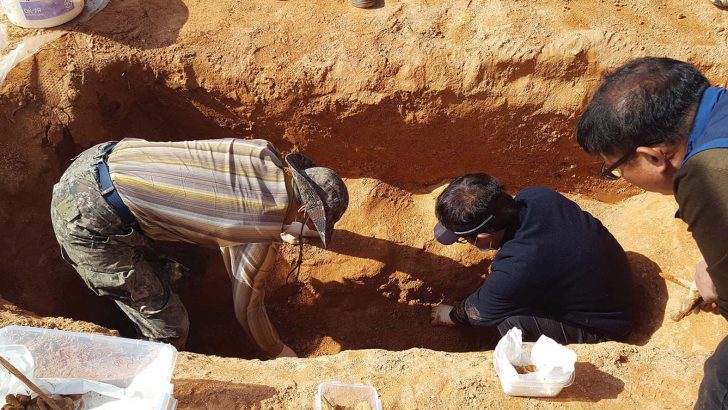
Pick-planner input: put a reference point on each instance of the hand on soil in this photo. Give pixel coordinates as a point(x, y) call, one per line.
point(440, 315)
point(287, 352)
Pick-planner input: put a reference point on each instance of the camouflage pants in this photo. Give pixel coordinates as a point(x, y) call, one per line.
point(116, 260)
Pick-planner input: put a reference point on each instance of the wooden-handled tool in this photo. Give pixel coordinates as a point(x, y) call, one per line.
point(17, 373)
point(688, 304)
point(681, 282)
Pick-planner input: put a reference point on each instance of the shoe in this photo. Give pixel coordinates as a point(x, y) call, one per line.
point(364, 4)
point(720, 3)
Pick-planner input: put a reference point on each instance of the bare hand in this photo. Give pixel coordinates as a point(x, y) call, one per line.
point(440, 315)
point(286, 352)
point(710, 307)
point(705, 284)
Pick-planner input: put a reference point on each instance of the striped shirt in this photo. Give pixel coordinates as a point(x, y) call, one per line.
point(211, 192)
point(226, 193)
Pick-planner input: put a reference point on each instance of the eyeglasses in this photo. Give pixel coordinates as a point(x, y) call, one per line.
point(608, 171)
point(471, 235)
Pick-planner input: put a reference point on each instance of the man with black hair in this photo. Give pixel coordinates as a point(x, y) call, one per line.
point(659, 124)
point(558, 272)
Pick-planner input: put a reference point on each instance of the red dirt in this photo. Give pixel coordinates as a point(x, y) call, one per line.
point(398, 99)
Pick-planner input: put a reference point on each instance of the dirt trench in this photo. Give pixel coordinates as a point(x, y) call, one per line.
point(399, 100)
point(387, 275)
point(380, 281)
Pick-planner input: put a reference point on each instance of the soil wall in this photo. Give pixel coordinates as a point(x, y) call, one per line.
point(398, 99)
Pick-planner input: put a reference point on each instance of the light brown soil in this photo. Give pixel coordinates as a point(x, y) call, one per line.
point(398, 99)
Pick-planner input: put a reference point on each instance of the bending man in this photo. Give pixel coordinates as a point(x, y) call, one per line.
point(558, 272)
point(659, 124)
point(117, 200)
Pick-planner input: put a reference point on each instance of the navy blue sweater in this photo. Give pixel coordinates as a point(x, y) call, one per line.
point(558, 262)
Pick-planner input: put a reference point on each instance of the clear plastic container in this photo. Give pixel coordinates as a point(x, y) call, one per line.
point(349, 395)
point(518, 386)
point(113, 360)
point(41, 13)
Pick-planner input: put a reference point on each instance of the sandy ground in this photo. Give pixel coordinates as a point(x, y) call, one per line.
point(399, 99)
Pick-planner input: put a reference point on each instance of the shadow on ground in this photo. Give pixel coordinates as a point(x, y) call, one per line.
point(447, 278)
point(317, 317)
point(355, 315)
point(650, 298)
point(389, 309)
point(591, 385)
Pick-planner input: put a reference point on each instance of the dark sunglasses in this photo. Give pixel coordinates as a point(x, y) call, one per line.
point(608, 171)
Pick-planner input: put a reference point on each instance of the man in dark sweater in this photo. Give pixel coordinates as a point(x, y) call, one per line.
point(558, 271)
point(658, 123)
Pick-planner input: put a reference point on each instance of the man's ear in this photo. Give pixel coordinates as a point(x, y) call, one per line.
point(483, 240)
point(655, 156)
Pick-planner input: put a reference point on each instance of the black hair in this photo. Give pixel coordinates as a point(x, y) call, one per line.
point(648, 99)
point(470, 199)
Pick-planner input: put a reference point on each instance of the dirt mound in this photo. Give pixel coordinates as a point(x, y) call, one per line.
point(12, 315)
point(399, 99)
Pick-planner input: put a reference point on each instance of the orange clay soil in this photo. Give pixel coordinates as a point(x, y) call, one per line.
point(398, 99)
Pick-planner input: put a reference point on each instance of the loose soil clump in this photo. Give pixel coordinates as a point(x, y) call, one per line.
point(25, 402)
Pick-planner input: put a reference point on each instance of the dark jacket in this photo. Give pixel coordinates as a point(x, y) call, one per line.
point(558, 262)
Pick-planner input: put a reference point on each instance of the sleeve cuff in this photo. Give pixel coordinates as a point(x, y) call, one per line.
point(458, 315)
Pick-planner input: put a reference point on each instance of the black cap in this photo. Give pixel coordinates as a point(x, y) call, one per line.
point(444, 235)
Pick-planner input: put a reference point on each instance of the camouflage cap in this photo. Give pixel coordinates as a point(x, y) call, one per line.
point(322, 192)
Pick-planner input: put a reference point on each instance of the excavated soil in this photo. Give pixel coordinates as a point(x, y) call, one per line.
point(399, 99)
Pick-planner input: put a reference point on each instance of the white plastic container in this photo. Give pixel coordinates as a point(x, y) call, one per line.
point(41, 13)
point(343, 394)
point(143, 368)
point(521, 386)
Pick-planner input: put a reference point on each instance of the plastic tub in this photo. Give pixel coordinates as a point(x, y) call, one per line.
point(342, 394)
point(517, 386)
point(113, 360)
point(41, 13)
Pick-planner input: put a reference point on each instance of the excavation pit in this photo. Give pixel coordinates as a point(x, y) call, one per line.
point(400, 99)
point(372, 289)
